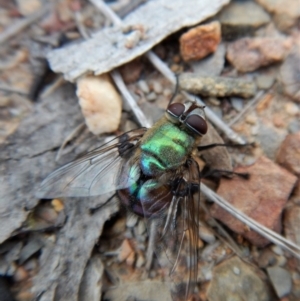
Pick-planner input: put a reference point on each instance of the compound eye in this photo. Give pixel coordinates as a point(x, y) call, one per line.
point(197, 124)
point(176, 109)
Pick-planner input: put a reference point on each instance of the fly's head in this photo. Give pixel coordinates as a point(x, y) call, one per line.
point(189, 116)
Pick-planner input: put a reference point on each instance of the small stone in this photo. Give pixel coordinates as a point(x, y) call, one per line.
point(261, 197)
point(241, 18)
point(249, 54)
point(140, 261)
point(58, 205)
point(286, 12)
point(251, 119)
point(167, 92)
point(157, 87)
point(281, 280)
point(245, 285)
point(200, 41)
point(290, 73)
point(269, 139)
point(277, 250)
point(292, 109)
point(125, 250)
point(143, 86)
point(151, 96)
point(217, 86)
point(28, 7)
point(289, 153)
point(20, 274)
point(291, 223)
point(206, 234)
point(139, 290)
point(131, 220)
point(211, 65)
point(131, 71)
point(100, 103)
point(237, 103)
point(278, 120)
point(264, 81)
point(266, 258)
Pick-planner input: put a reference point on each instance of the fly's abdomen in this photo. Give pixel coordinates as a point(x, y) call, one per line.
point(166, 149)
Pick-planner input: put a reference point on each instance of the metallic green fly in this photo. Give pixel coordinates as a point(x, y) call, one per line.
point(155, 175)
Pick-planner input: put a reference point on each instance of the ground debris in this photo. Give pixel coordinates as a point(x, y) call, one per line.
point(107, 48)
point(217, 86)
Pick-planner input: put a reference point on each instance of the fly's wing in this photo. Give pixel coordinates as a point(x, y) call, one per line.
point(95, 173)
point(174, 232)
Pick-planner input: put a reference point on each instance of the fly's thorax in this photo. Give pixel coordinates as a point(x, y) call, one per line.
point(165, 147)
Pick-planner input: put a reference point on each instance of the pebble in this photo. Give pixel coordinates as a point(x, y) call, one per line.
point(125, 250)
point(151, 96)
point(28, 7)
point(290, 73)
point(100, 103)
point(241, 18)
point(264, 81)
point(211, 65)
point(262, 197)
point(20, 274)
point(289, 153)
point(281, 280)
point(131, 220)
point(277, 250)
point(167, 92)
point(57, 204)
point(200, 41)
point(237, 103)
point(140, 261)
point(157, 87)
point(140, 290)
point(292, 109)
point(249, 54)
point(142, 84)
point(217, 86)
point(131, 71)
point(244, 285)
point(269, 139)
point(285, 12)
point(206, 234)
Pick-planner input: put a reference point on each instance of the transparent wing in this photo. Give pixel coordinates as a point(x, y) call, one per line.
point(95, 173)
point(175, 232)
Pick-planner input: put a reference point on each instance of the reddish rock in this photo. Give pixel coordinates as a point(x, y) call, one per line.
point(248, 54)
point(289, 153)
point(262, 197)
point(131, 71)
point(200, 41)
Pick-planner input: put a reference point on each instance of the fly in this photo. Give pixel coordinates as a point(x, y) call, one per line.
point(155, 175)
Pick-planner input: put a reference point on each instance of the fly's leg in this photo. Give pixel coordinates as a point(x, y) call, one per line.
point(209, 146)
point(219, 173)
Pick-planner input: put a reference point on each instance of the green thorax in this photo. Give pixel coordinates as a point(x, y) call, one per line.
point(164, 147)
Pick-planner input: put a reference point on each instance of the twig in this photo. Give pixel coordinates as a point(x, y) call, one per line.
point(247, 107)
point(49, 90)
point(140, 116)
point(264, 231)
point(81, 28)
point(21, 24)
